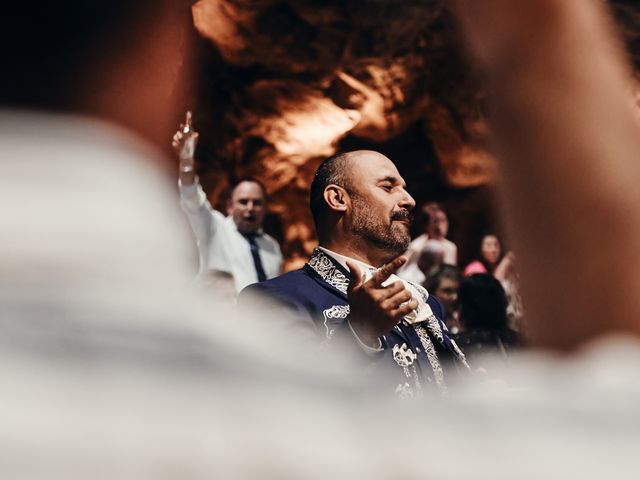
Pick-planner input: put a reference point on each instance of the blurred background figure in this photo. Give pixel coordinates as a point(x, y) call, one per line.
point(429, 257)
point(563, 107)
point(493, 261)
point(483, 315)
point(425, 260)
point(431, 248)
point(237, 243)
point(490, 258)
point(444, 282)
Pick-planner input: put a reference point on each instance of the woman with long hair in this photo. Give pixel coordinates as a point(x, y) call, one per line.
point(491, 260)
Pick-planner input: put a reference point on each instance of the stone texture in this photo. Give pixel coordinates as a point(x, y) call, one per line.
point(288, 83)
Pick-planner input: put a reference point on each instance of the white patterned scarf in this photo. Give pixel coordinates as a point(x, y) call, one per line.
point(329, 272)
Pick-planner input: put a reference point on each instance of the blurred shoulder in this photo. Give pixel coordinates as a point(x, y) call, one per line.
point(285, 284)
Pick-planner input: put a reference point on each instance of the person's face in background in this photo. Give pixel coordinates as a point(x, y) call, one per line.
point(430, 258)
point(490, 249)
point(447, 293)
point(248, 207)
point(438, 226)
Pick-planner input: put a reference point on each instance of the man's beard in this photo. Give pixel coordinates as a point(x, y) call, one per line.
point(389, 237)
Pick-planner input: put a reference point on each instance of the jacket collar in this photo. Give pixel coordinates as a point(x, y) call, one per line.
point(336, 277)
point(329, 271)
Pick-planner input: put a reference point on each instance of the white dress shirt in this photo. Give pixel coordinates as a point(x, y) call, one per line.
point(419, 293)
point(221, 246)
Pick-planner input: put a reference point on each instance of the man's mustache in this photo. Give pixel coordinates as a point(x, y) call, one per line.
point(402, 215)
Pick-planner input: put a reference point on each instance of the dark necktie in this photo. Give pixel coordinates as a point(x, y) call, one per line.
point(255, 253)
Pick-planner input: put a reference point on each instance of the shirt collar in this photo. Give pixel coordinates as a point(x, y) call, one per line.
point(257, 234)
point(421, 314)
point(342, 260)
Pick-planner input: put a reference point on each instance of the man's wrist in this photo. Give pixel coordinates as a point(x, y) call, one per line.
point(363, 335)
point(370, 350)
point(186, 165)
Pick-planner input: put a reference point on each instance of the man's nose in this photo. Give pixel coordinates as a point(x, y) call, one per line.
point(407, 200)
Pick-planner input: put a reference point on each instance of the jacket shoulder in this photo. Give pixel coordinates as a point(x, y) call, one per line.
point(288, 285)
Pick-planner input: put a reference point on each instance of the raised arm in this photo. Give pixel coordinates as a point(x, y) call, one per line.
point(565, 132)
point(202, 218)
point(184, 143)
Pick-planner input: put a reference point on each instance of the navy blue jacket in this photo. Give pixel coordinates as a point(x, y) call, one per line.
point(312, 302)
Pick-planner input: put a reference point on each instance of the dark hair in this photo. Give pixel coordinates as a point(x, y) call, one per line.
point(235, 184)
point(428, 209)
point(48, 47)
point(436, 275)
point(333, 170)
point(489, 233)
point(483, 303)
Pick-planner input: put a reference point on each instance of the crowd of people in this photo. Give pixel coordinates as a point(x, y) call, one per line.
point(113, 368)
point(362, 214)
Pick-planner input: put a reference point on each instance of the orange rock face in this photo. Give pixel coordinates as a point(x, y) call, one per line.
point(288, 83)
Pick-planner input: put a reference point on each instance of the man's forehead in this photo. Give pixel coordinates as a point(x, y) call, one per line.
point(247, 190)
point(371, 165)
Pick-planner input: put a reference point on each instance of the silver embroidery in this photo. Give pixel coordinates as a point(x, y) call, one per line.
point(324, 266)
point(405, 358)
point(433, 325)
point(436, 328)
point(403, 355)
point(429, 349)
point(459, 353)
point(337, 311)
point(328, 271)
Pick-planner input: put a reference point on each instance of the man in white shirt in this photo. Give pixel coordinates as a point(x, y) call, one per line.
point(235, 244)
point(432, 245)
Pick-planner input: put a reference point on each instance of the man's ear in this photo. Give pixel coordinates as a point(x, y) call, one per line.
point(337, 198)
point(229, 207)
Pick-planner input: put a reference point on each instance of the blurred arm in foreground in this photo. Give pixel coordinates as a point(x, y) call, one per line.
point(568, 142)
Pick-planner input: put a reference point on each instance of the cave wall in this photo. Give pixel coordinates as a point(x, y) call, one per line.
point(284, 84)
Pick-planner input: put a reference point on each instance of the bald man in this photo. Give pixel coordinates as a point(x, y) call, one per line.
point(349, 289)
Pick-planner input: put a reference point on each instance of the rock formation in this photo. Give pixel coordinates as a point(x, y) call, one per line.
point(286, 83)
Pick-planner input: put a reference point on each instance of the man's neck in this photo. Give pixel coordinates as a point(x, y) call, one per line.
point(370, 256)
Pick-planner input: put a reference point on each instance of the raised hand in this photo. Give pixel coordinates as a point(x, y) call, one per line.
point(375, 309)
point(185, 141)
point(506, 268)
